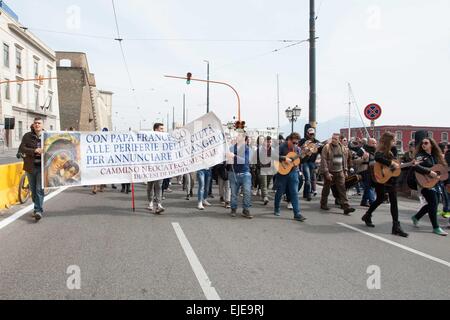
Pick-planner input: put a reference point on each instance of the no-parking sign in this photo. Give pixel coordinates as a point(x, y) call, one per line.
point(373, 111)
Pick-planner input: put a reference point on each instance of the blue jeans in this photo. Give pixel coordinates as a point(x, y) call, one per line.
point(203, 178)
point(308, 171)
point(37, 192)
point(369, 192)
point(238, 180)
point(445, 198)
point(288, 184)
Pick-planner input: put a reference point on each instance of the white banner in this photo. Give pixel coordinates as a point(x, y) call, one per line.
point(94, 158)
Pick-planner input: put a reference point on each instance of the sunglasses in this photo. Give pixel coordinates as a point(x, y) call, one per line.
point(425, 143)
point(295, 143)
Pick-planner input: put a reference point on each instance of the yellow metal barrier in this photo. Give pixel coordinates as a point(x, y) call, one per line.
point(9, 183)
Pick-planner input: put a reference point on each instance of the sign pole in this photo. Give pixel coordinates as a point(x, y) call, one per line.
point(373, 128)
point(133, 205)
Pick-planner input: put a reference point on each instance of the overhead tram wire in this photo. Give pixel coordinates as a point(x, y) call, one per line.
point(84, 35)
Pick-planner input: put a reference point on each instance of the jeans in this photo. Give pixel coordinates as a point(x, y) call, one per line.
point(369, 192)
point(224, 189)
point(431, 207)
point(154, 191)
point(445, 198)
point(203, 178)
point(288, 184)
point(37, 192)
point(308, 172)
point(238, 181)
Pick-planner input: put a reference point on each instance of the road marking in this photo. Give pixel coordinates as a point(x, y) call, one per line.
point(25, 210)
point(200, 273)
point(420, 253)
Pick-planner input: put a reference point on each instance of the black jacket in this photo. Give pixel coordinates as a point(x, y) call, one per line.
point(313, 157)
point(426, 162)
point(380, 157)
point(30, 142)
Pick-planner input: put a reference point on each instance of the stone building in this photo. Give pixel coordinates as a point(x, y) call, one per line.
point(82, 106)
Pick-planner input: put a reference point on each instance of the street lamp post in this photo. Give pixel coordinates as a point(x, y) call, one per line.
point(293, 115)
point(207, 88)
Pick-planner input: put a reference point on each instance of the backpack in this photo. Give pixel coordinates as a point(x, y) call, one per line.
point(411, 179)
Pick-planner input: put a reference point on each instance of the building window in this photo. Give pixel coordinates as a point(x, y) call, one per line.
point(18, 61)
point(378, 134)
point(50, 101)
point(444, 137)
point(430, 134)
point(36, 98)
point(413, 135)
point(19, 93)
point(6, 55)
point(7, 90)
point(19, 130)
point(36, 69)
point(400, 146)
point(49, 75)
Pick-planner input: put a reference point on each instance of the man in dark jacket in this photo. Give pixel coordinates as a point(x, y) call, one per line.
point(309, 165)
point(31, 149)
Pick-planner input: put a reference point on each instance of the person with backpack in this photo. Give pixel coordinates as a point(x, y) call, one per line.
point(221, 171)
point(429, 154)
point(32, 149)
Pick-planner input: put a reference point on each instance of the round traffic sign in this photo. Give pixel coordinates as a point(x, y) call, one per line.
point(373, 111)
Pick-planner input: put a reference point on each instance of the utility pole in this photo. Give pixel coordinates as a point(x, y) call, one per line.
point(184, 109)
point(207, 88)
point(173, 118)
point(278, 104)
point(312, 64)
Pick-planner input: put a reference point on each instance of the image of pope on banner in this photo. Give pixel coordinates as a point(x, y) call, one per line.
point(61, 160)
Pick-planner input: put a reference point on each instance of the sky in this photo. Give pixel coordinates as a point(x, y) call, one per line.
point(394, 53)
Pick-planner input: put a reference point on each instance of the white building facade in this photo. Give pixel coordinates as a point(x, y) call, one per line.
point(22, 57)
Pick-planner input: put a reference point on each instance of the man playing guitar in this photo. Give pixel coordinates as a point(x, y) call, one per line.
point(311, 149)
point(289, 183)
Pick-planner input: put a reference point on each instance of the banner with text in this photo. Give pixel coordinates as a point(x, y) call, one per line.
point(94, 158)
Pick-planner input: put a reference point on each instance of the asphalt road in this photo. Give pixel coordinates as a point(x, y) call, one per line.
point(126, 255)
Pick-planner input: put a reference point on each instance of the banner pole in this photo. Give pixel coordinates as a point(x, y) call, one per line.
point(132, 198)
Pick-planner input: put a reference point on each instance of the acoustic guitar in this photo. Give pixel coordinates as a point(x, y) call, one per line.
point(284, 168)
point(426, 181)
point(383, 174)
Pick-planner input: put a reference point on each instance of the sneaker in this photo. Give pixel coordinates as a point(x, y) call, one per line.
point(415, 222)
point(277, 214)
point(206, 203)
point(188, 198)
point(246, 214)
point(266, 201)
point(200, 206)
point(445, 214)
point(222, 200)
point(163, 198)
point(300, 218)
point(315, 194)
point(151, 207)
point(168, 190)
point(37, 216)
point(227, 205)
point(233, 212)
point(33, 215)
point(255, 192)
point(349, 211)
point(289, 206)
point(440, 232)
point(160, 209)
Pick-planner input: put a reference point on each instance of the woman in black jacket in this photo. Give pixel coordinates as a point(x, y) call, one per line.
point(429, 154)
point(386, 153)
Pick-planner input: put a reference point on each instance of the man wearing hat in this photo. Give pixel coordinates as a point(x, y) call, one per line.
point(309, 165)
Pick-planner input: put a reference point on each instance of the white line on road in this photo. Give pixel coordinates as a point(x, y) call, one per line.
point(25, 210)
point(422, 254)
point(200, 273)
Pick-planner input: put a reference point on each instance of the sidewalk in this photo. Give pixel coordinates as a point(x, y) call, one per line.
point(8, 156)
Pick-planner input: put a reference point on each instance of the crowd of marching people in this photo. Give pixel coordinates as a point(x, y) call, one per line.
point(275, 170)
